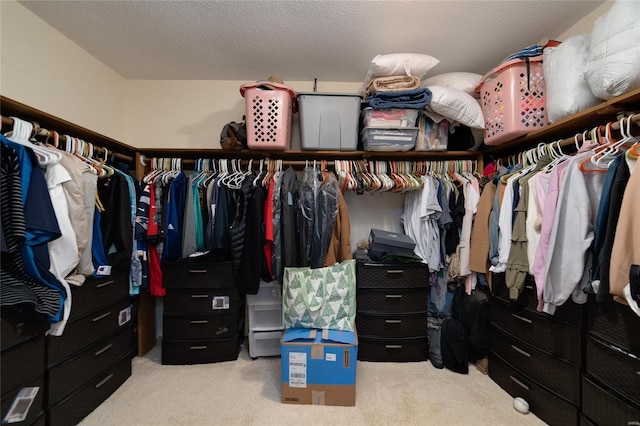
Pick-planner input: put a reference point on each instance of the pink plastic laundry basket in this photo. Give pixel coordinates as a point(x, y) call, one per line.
point(269, 107)
point(513, 102)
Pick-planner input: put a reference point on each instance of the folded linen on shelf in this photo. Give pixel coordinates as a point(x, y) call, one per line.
point(392, 83)
point(411, 99)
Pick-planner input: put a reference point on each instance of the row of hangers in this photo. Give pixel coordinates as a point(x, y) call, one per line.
point(24, 133)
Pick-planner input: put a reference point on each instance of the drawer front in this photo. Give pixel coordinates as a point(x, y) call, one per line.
point(19, 330)
point(265, 317)
point(558, 376)
point(391, 325)
point(180, 352)
point(585, 421)
point(204, 301)
point(549, 407)
point(619, 326)
point(37, 406)
point(561, 340)
point(392, 300)
point(98, 293)
point(22, 363)
point(604, 408)
point(381, 275)
point(200, 326)
point(197, 275)
point(393, 350)
point(264, 343)
point(570, 312)
point(65, 378)
point(40, 421)
point(82, 402)
point(86, 331)
point(614, 367)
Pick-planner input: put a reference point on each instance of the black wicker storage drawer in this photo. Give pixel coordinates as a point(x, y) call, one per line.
point(604, 408)
point(82, 402)
point(619, 326)
point(200, 326)
point(413, 300)
point(41, 420)
point(561, 340)
point(201, 301)
point(614, 367)
point(549, 407)
point(98, 293)
point(393, 350)
point(36, 407)
point(374, 324)
point(197, 275)
point(87, 330)
point(556, 375)
point(66, 377)
point(385, 275)
point(180, 352)
point(21, 363)
point(16, 331)
point(569, 312)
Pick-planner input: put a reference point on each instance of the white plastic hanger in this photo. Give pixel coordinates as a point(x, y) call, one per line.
point(22, 132)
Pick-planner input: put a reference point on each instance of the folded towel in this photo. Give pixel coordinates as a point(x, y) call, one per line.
point(527, 52)
point(392, 83)
point(411, 99)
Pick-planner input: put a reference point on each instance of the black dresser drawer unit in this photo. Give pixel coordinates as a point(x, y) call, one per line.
point(87, 330)
point(181, 352)
point(96, 293)
point(82, 402)
point(412, 349)
point(619, 325)
point(22, 362)
point(37, 406)
point(201, 301)
point(381, 275)
point(197, 274)
point(555, 375)
point(549, 407)
point(614, 367)
point(604, 408)
point(17, 331)
point(374, 324)
point(199, 326)
point(402, 301)
point(69, 375)
point(563, 341)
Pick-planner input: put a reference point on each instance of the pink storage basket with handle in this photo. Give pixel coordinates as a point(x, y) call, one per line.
point(513, 101)
point(269, 107)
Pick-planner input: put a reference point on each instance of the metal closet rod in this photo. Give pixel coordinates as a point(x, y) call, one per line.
point(615, 125)
point(41, 131)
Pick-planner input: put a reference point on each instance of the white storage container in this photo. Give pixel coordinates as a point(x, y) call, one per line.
point(265, 308)
point(329, 121)
point(388, 118)
point(264, 343)
point(374, 139)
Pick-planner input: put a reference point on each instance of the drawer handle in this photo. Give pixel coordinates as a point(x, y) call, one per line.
point(519, 383)
point(199, 296)
point(104, 284)
point(393, 296)
point(527, 320)
point(197, 348)
point(517, 349)
point(393, 346)
point(197, 271)
point(199, 322)
point(528, 287)
point(103, 316)
point(105, 380)
point(103, 350)
point(394, 271)
point(393, 321)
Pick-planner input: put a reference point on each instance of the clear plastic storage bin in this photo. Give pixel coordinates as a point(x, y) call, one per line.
point(388, 118)
point(264, 309)
point(264, 343)
point(432, 136)
point(375, 139)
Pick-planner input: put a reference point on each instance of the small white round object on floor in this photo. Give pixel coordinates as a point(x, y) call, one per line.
point(521, 405)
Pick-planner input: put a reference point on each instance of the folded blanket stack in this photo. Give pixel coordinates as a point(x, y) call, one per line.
point(409, 99)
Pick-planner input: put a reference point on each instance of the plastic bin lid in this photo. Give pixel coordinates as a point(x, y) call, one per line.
point(353, 95)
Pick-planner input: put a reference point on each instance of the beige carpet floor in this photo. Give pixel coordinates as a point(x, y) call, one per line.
point(247, 392)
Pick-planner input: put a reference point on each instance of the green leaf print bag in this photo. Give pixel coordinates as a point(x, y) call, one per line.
point(320, 298)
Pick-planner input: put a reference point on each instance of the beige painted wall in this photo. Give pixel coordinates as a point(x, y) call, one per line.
point(42, 68)
point(585, 25)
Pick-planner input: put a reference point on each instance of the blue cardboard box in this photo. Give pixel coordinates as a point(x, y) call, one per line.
point(319, 366)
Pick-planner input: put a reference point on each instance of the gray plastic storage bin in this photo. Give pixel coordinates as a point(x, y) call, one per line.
point(329, 121)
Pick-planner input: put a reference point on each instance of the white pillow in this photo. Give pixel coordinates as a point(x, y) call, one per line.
point(399, 64)
point(456, 105)
point(465, 81)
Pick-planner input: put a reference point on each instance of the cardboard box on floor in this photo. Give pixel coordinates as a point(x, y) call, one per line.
point(319, 367)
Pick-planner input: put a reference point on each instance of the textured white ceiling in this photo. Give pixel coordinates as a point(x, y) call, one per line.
point(301, 40)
